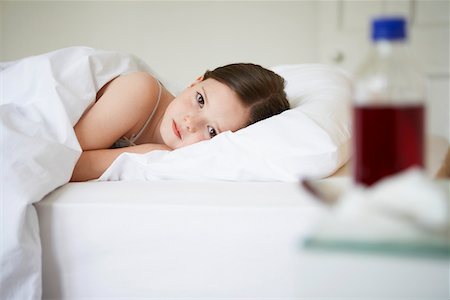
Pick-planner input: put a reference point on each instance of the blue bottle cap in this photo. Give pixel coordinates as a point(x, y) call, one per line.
point(388, 28)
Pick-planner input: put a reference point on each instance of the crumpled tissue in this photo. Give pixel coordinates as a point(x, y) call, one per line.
point(404, 213)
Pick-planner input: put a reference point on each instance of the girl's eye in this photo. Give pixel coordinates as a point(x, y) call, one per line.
point(200, 100)
point(212, 132)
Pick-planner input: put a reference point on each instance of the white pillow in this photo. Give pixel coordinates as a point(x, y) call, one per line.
point(312, 139)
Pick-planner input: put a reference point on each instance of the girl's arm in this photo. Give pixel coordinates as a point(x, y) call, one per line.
point(93, 163)
point(121, 110)
point(124, 105)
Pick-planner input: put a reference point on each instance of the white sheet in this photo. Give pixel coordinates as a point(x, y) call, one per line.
point(42, 97)
point(209, 240)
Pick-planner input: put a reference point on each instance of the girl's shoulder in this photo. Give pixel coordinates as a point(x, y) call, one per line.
point(142, 81)
point(121, 110)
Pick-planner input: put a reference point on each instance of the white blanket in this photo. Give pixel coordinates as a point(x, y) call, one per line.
point(42, 97)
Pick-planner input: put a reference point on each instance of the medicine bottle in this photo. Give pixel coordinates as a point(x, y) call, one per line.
point(388, 106)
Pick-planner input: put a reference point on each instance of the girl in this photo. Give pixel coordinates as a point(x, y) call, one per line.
point(135, 113)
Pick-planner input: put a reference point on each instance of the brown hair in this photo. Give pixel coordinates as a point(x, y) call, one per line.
point(258, 88)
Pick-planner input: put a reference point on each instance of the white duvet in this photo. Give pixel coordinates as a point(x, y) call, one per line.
point(42, 97)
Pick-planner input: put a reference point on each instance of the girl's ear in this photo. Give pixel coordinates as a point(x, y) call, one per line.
point(199, 79)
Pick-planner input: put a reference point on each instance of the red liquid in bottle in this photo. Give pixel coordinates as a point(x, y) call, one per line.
point(387, 139)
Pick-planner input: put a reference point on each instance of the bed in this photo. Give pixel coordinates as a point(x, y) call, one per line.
point(223, 218)
point(210, 240)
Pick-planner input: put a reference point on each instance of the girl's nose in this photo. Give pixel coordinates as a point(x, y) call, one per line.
point(190, 123)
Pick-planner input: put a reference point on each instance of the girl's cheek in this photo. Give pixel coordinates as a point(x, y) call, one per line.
point(201, 137)
point(193, 139)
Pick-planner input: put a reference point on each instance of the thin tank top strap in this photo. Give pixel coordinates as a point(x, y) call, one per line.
point(135, 137)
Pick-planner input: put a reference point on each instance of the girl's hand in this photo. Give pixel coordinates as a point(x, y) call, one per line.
point(92, 163)
point(150, 147)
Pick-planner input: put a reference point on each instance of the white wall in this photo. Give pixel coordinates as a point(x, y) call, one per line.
point(178, 39)
point(181, 39)
point(1, 31)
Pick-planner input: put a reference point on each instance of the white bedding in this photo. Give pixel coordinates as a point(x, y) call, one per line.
point(209, 240)
point(42, 97)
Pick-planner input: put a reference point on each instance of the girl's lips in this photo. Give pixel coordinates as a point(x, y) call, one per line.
point(175, 129)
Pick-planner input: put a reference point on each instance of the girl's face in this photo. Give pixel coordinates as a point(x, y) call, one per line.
point(200, 112)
